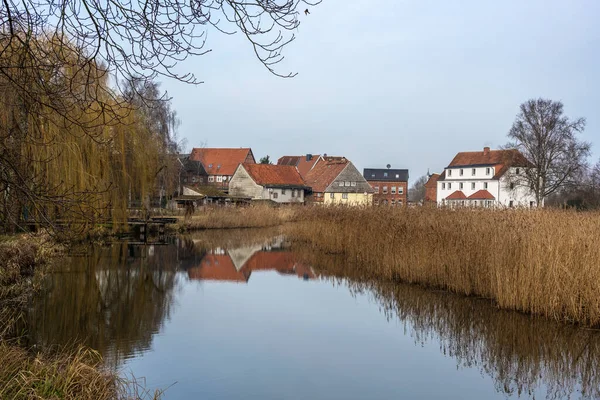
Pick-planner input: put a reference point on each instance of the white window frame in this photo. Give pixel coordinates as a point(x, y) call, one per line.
point(211, 178)
point(473, 172)
point(488, 170)
point(384, 190)
point(485, 185)
point(400, 189)
point(449, 172)
point(344, 196)
point(376, 189)
point(443, 186)
point(461, 186)
point(472, 185)
point(461, 172)
point(393, 190)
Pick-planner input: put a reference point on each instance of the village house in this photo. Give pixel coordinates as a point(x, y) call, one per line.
point(278, 183)
point(390, 186)
point(220, 163)
point(335, 180)
point(303, 163)
point(190, 172)
point(431, 189)
point(485, 179)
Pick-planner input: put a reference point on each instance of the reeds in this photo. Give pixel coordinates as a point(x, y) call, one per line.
point(544, 262)
point(255, 216)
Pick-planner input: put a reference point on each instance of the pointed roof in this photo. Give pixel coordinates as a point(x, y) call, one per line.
point(457, 195)
point(482, 195)
point(303, 163)
point(217, 267)
point(284, 262)
point(324, 173)
point(432, 181)
point(274, 175)
point(221, 161)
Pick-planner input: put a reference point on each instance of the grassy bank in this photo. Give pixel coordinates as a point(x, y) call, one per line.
point(543, 262)
point(255, 216)
point(27, 374)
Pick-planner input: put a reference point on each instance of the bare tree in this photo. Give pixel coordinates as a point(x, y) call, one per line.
point(547, 139)
point(416, 193)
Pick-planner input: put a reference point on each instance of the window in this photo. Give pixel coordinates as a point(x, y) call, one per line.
point(392, 202)
point(376, 188)
point(449, 185)
point(449, 172)
point(460, 186)
point(341, 183)
point(352, 183)
point(346, 183)
point(473, 172)
point(461, 172)
point(532, 204)
point(472, 185)
point(275, 195)
point(399, 202)
point(319, 194)
point(517, 171)
point(224, 178)
point(345, 196)
point(372, 175)
point(400, 190)
point(332, 195)
point(512, 185)
point(488, 170)
point(294, 193)
point(393, 190)
point(443, 185)
point(385, 190)
point(510, 204)
point(385, 174)
point(210, 165)
point(475, 202)
point(194, 179)
point(283, 192)
point(219, 178)
point(397, 176)
point(485, 185)
point(211, 178)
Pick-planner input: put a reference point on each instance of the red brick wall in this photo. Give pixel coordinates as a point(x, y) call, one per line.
point(379, 197)
point(431, 193)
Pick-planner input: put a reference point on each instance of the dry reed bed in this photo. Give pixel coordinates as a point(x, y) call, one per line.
point(255, 216)
point(542, 262)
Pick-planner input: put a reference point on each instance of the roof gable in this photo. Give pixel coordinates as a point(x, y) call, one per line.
point(303, 163)
point(457, 195)
point(274, 175)
point(349, 175)
point(482, 195)
point(221, 161)
point(324, 173)
point(432, 181)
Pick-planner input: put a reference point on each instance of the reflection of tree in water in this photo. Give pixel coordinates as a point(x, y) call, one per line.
point(113, 300)
point(519, 352)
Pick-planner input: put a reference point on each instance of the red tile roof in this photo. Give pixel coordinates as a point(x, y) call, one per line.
point(324, 173)
point(284, 262)
point(221, 161)
point(482, 195)
point(299, 162)
point(511, 157)
point(458, 195)
point(432, 181)
point(274, 175)
point(217, 268)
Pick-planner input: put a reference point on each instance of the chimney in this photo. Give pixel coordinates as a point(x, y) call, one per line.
point(308, 157)
point(486, 151)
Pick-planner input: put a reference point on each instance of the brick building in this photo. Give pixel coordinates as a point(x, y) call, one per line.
point(220, 163)
point(431, 189)
point(390, 185)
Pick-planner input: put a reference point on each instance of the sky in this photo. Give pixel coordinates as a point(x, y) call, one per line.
point(402, 82)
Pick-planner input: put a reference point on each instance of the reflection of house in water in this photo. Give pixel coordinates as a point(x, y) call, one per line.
point(237, 265)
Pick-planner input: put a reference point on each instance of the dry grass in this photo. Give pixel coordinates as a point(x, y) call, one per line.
point(69, 375)
point(544, 262)
point(255, 216)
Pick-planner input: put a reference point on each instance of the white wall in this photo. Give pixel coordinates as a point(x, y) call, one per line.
point(520, 195)
point(283, 195)
point(480, 173)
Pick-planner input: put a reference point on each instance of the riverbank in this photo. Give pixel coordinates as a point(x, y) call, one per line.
point(254, 216)
point(27, 374)
point(542, 262)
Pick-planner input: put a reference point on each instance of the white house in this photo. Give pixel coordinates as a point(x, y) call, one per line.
point(488, 178)
point(279, 183)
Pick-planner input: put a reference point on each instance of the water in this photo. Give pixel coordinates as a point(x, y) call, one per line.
point(232, 315)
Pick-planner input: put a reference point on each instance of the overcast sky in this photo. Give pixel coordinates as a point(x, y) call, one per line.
point(404, 82)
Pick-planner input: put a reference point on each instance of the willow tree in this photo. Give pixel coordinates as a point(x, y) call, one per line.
point(71, 150)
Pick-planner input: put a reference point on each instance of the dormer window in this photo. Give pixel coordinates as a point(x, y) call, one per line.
point(210, 165)
point(385, 174)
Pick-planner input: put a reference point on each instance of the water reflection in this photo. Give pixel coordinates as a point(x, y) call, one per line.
point(117, 299)
point(522, 354)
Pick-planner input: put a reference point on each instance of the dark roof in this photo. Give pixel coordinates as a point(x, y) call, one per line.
point(386, 174)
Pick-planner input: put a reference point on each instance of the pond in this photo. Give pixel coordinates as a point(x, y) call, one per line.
point(244, 314)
